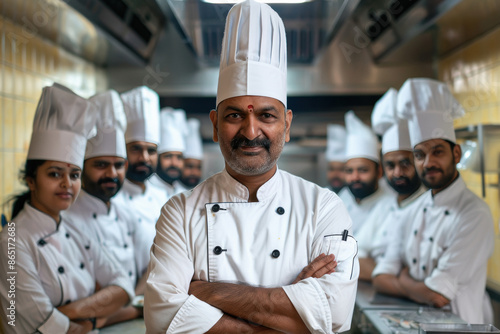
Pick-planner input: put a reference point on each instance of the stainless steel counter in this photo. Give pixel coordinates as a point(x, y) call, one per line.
point(135, 326)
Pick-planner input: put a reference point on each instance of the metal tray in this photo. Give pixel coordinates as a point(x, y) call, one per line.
point(456, 328)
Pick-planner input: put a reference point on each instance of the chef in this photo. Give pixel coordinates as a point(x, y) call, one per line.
point(362, 172)
point(252, 248)
point(399, 170)
point(335, 156)
point(449, 236)
point(142, 109)
point(193, 155)
point(174, 129)
point(93, 213)
point(55, 270)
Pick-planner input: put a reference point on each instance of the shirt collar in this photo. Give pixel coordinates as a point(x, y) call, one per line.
point(97, 205)
point(449, 195)
point(266, 191)
point(44, 224)
point(407, 201)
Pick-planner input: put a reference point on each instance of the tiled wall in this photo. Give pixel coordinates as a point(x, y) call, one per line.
point(473, 74)
point(28, 63)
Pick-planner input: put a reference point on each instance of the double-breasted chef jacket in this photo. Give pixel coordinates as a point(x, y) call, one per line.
point(54, 265)
point(114, 229)
point(446, 242)
point(360, 212)
point(213, 233)
point(171, 189)
point(384, 222)
point(145, 206)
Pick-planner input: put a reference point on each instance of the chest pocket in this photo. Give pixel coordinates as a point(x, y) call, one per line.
point(345, 249)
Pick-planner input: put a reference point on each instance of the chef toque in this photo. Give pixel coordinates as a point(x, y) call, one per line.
point(335, 145)
point(361, 141)
point(173, 130)
point(111, 124)
point(430, 109)
point(253, 58)
point(63, 122)
point(386, 123)
point(142, 108)
point(194, 144)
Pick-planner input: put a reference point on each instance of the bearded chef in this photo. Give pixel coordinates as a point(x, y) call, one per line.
point(449, 236)
point(252, 248)
point(193, 156)
point(335, 155)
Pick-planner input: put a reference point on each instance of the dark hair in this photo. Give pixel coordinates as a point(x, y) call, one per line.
point(30, 169)
point(452, 144)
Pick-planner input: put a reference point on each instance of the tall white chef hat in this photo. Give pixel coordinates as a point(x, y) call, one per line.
point(335, 144)
point(194, 144)
point(173, 130)
point(430, 109)
point(361, 141)
point(253, 59)
point(63, 123)
point(142, 107)
point(386, 123)
point(111, 125)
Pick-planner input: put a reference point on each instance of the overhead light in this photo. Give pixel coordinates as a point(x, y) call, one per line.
point(230, 2)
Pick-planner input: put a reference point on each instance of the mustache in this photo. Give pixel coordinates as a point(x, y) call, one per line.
point(401, 178)
point(426, 170)
point(108, 180)
point(140, 164)
point(240, 140)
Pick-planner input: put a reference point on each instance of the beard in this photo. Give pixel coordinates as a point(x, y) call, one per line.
point(409, 187)
point(137, 175)
point(104, 193)
point(361, 189)
point(190, 181)
point(166, 174)
point(242, 166)
point(444, 181)
point(336, 184)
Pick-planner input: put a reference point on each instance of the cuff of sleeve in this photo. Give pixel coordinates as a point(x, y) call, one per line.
point(195, 316)
point(310, 302)
point(442, 283)
point(386, 268)
point(125, 283)
point(57, 322)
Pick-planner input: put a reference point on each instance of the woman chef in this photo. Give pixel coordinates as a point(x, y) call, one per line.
point(58, 281)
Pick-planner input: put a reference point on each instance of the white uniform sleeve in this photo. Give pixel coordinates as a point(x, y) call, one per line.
point(473, 235)
point(33, 308)
point(167, 305)
point(326, 304)
point(108, 271)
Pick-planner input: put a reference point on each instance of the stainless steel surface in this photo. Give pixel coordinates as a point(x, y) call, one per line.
point(456, 328)
point(135, 326)
point(367, 298)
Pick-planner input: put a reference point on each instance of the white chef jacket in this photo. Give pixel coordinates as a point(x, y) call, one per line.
point(360, 212)
point(446, 243)
point(213, 233)
point(383, 223)
point(145, 206)
point(172, 189)
point(115, 230)
point(54, 265)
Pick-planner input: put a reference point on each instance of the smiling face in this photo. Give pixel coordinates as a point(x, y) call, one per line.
point(54, 187)
point(251, 131)
point(435, 161)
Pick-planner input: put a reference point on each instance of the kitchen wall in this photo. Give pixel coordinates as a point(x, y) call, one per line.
point(473, 73)
point(31, 60)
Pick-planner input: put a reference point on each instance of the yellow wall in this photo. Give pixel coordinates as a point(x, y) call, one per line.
point(28, 63)
point(473, 74)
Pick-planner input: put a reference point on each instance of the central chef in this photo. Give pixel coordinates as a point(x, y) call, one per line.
point(253, 247)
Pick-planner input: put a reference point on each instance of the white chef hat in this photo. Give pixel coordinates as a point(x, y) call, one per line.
point(194, 144)
point(335, 144)
point(386, 123)
point(253, 59)
point(173, 130)
point(430, 109)
point(111, 125)
point(63, 122)
point(142, 107)
point(361, 141)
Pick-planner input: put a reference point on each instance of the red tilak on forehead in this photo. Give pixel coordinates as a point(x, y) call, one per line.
point(69, 165)
point(250, 107)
